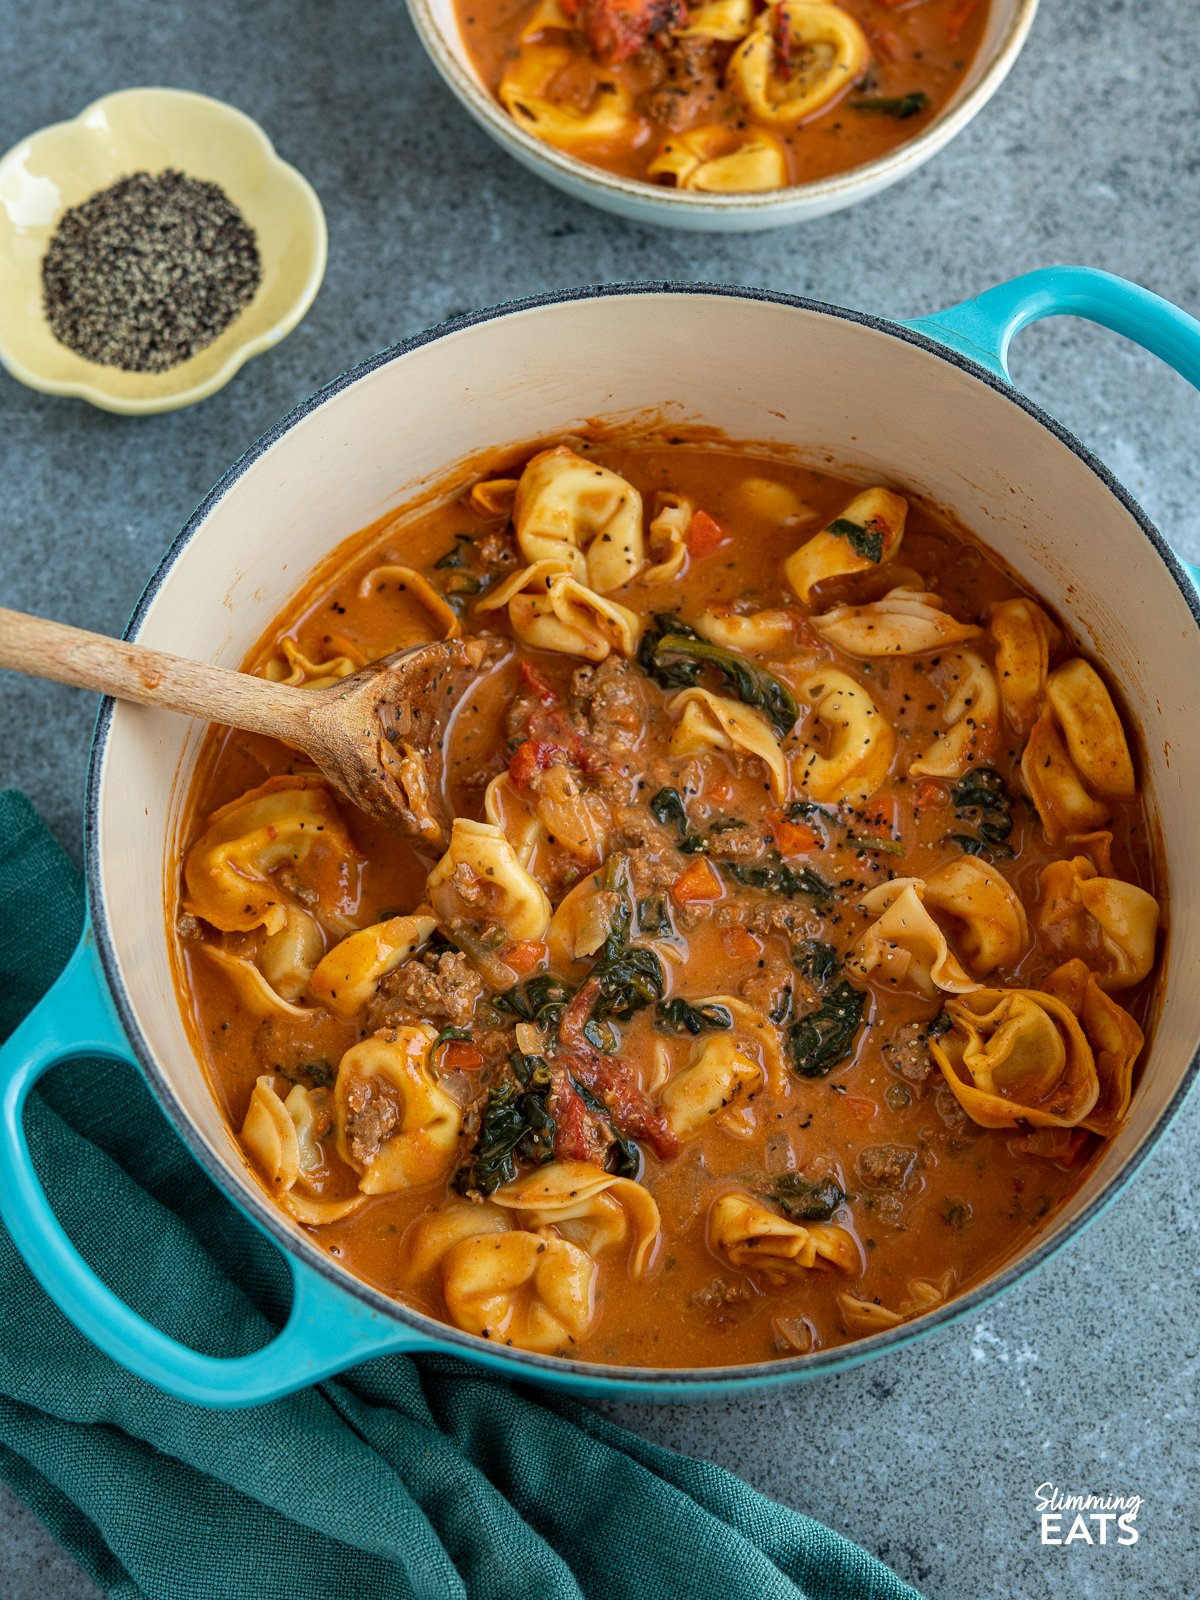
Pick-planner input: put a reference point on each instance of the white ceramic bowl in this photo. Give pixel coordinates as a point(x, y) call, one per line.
point(436, 22)
point(879, 399)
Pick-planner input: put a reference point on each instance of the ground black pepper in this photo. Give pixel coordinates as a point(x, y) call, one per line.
point(147, 272)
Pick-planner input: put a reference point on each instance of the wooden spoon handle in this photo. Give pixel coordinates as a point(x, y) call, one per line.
point(44, 649)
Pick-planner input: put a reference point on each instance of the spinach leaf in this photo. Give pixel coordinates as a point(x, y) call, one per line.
point(456, 556)
point(516, 1125)
point(674, 654)
point(882, 843)
point(450, 1033)
point(900, 106)
point(653, 918)
point(818, 963)
point(865, 542)
point(601, 1036)
point(671, 675)
point(666, 806)
point(826, 1037)
point(678, 1016)
point(803, 1199)
point(752, 684)
point(939, 1025)
point(981, 799)
point(628, 981)
point(970, 845)
point(776, 876)
point(542, 1000)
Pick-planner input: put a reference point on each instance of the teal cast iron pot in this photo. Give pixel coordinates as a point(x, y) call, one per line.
point(928, 403)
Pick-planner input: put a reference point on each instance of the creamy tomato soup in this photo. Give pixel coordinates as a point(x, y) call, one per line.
point(727, 96)
point(786, 960)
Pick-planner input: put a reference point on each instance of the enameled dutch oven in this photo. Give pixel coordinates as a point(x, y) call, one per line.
point(929, 402)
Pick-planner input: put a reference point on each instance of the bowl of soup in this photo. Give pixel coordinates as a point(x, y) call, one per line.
point(726, 116)
point(803, 963)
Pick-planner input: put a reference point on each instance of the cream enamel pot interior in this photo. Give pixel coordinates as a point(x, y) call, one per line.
point(927, 406)
point(436, 22)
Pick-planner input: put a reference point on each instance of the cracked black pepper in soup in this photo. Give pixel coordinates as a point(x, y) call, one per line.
point(149, 271)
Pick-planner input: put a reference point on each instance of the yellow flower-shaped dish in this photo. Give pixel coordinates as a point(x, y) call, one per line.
point(147, 130)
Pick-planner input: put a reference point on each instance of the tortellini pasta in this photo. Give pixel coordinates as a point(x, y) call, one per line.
point(666, 537)
point(860, 741)
point(1077, 760)
point(1017, 1055)
point(906, 622)
point(724, 20)
point(271, 981)
point(1024, 637)
point(904, 945)
point(754, 1238)
point(702, 159)
point(408, 581)
point(582, 516)
point(521, 1267)
point(480, 879)
point(290, 821)
point(1114, 1036)
point(863, 537)
point(721, 1075)
point(986, 912)
point(346, 979)
point(300, 671)
point(550, 609)
point(869, 1316)
point(594, 1209)
point(1110, 924)
point(394, 1123)
point(972, 721)
point(524, 94)
point(283, 1139)
point(749, 632)
point(712, 722)
point(520, 1288)
point(827, 51)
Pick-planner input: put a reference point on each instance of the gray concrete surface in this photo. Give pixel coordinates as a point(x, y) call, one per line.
point(1084, 1376)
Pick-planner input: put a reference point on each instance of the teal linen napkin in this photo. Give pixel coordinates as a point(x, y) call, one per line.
point(401, 1478)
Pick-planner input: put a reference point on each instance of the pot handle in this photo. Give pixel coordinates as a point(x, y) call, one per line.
point(983, 329)
point(327, 1330)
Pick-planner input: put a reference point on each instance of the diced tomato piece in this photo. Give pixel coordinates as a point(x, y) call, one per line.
point(859, 1106)
point(533, 756)
point(532, 680)
point(525, 956)
point(930, 793)
point(579, 1134)
point(957, 21)
point(697, 882)
point(794, 838)
point(882, 819)
point(460, 1055)
point(617, 29)
point(740, 945)
point(704, 534)
point(884, 43)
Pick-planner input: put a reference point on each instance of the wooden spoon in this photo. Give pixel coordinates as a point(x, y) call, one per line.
point(377, 736)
